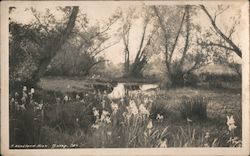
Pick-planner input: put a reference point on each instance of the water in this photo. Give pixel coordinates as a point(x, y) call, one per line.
point(119, 91)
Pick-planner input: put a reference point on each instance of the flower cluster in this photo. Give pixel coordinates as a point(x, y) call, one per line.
point(114, 107)
point(143, 110)
point(104, 118)
point(233, 140)
point(26, 103)
point(132, 108)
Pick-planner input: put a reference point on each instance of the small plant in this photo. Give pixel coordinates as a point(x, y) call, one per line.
point(159, 111)
point(26, 117)
point(233, 141)
point(195, 107)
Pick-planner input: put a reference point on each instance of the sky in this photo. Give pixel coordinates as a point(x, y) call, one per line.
point(97, 13)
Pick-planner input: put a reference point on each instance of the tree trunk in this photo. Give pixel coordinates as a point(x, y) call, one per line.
point(187, 37)
point(52, 46)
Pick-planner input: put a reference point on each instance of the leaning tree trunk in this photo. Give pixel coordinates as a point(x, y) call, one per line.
point(52, 46)
point(138, 67)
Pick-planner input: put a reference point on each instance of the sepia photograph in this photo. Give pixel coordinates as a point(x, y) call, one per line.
point(123, 75)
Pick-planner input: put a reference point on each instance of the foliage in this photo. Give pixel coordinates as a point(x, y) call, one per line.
point(92, 120)
point(195, 107)
point(183, 54)
point(134, 67)
point(37, 43)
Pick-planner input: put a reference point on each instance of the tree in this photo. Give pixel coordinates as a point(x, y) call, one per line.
point(45, 39)
point(135, 69)
point(226, 42)
point(191, 56)
point(53, 45)
point(92, 41)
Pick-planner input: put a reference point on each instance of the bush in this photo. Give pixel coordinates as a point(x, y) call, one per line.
point(180, 78)
point(195, 107)
point(191, 80)
point(176, 76)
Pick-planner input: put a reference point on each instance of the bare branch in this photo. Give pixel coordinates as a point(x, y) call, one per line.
point(219, 12)
point(234, 48)
point(142, 41)
point(161, 23)
point(216, 44)
point(38, 20)
point(97, 52)
point(95, 63)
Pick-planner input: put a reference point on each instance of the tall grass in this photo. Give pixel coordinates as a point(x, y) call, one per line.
point(195, 107)
point(92, 120)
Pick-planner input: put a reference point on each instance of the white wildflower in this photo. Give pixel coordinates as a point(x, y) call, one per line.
point(109, 133)
point(150, 124)
point(32, 90)
point(126, 115)
point(40, 106)
point(25, 88)
point(231, 123)
point(207, 135)
point(66, 98)
point(12, 100)
point(114, 107)
point(189, 120)
point(122, 100)
point(103, 103)
point(133, 108)
point(163, 143)
point(143, 110)
point(96, 112)
point(77, 97)
point(22, 107)
point(107, 119)
point(16, 94)
point(159, 117)
point(104, 115)
point(95, 126)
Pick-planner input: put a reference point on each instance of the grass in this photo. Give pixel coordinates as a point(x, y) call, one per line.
point(72, 122)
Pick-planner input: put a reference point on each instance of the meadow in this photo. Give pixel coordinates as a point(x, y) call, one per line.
point(133, 76)
point(76, 117)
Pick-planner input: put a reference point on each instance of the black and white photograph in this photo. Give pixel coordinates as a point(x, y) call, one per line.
point(125, 75)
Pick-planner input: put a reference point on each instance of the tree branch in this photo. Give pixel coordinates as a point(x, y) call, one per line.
point(235, 48)
point(216, 44)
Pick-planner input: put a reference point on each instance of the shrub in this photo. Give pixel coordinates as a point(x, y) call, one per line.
point(195, 107)
point(176, 76)
point(191, 80)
